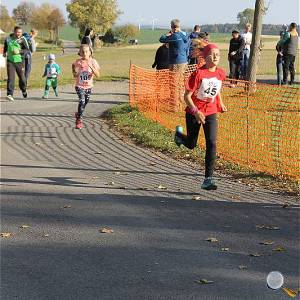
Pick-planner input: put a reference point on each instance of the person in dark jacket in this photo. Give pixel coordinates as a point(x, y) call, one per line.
point(161, 60)
point(289, 49)
point(193, 35)
point(236, 47)
point(14, 46)
point(88, 38)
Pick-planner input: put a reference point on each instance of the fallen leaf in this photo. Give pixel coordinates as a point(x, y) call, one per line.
point(204, 281)
point(242, 267)
point(6, 234)
point(255, 254)
point(67, 206)
point(110, 183)
point(279, 249)
point(196, 198)
point(24, 226)
point(290, 292)
point(212, 240)
point(266, 243)
point(98, 152)
point(161, 187)
point(37, 144)
point(46, 235)
point(225, 249)
point(152, 164)
point(269, 227)
point(106, 230)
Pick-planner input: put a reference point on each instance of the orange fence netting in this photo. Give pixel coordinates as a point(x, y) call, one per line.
point(261, 129)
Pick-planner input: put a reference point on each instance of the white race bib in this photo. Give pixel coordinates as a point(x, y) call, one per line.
point(51, 71)
point(84, 77)
point(209, 89)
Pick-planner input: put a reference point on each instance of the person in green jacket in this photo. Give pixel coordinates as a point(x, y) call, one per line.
point(14, 46)
point(52, 70)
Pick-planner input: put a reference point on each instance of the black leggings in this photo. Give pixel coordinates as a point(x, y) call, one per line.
point(84, 98)
point(210, 133)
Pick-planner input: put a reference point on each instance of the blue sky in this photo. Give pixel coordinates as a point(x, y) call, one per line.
point(189, 12)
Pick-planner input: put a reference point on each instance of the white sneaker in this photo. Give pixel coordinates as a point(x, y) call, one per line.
point(10, 98)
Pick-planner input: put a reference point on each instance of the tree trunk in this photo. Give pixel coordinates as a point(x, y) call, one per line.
point(256, 36)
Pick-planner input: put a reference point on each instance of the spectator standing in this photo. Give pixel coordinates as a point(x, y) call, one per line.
point(284, 35)
point(88, 38)
point(178, 48)
point(14, 47)
point(161, 60)
point(178, 45)
point(235, 53)
point(289, 50)
point(193, 35)
point(247, 36)
point(28, 53)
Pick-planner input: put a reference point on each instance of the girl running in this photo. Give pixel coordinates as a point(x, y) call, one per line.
point(84, 69)
point(204, 101)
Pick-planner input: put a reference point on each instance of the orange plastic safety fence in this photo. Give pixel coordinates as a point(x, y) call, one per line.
point(261, 129)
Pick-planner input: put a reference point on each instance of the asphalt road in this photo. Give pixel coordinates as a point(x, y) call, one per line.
point(66, 184)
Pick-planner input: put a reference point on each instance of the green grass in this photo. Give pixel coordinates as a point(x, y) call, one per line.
point(150, 134)
point(69, 33)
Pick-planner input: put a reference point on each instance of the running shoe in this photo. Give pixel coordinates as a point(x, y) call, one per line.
point(45, 97)
point(24, 95)
point(208, 184)
point(78, 123)
point(10, 98)
point(177, 139)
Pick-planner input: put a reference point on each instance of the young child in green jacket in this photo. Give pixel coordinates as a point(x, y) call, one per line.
point(52, 70)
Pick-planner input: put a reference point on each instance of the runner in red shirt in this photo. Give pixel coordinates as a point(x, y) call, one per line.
point(204, 101)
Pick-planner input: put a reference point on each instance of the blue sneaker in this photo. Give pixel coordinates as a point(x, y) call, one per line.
point(208, 184)
point(177, 139)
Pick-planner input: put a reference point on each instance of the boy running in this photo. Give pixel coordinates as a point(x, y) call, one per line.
point(52, 70)
point(84, 69)
point(204, 101)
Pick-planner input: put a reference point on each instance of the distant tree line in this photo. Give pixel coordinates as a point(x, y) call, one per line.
point(267, 29)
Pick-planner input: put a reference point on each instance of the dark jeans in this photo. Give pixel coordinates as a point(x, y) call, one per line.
point(279, 67)
point(11, 69)
point(84, 98)
point(245, 61)
point(28, 61)
point(210, 133)
point(234, 66)
point(288, 65)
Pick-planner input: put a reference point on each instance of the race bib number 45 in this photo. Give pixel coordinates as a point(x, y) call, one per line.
point(209, 89)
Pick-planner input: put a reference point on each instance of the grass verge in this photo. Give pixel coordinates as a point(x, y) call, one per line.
point(150, 134)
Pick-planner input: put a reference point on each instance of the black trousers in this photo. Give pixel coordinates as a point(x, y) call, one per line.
point(235, 67)
point(288, 65)
point(210, 133)
point(13, 68)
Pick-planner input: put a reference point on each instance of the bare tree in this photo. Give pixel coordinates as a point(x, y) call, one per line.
point(23, 12)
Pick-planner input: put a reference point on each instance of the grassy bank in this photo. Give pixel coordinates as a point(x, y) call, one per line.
point(152, 135)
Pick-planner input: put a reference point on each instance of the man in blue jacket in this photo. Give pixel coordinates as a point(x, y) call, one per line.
point(178, 52)
point(178, 46)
